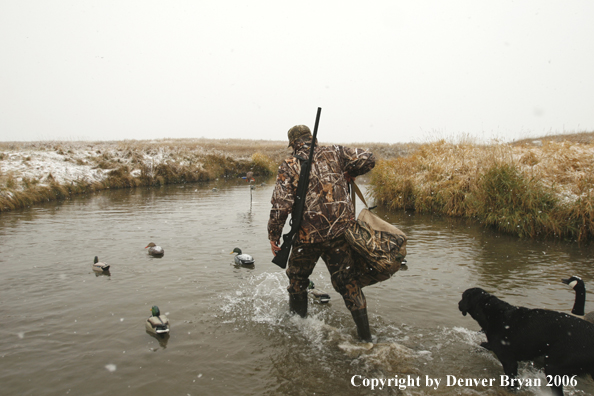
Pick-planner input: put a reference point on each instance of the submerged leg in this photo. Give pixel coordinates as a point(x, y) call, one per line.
point(301, 264)
point(298, 303)
point(362, 322)
point(555, 371)
point(339, 260)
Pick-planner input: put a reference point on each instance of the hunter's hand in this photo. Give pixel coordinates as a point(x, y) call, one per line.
point(274, 247)
point(348, 177)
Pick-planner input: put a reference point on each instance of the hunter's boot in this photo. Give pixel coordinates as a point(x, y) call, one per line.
point(298, 304)
point(362, 322)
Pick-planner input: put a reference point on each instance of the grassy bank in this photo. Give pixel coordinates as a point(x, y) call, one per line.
point(32, 172)
point(537, 187)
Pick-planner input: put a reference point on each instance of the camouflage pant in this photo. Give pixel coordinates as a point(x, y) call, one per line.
point(338, 256)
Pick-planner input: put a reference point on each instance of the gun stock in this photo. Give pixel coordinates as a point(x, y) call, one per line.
point(282, 257)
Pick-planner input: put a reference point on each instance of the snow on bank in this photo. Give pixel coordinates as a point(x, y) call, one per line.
point(42, 163)
point(39, 165)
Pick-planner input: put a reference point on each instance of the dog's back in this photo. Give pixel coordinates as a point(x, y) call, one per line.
point(531, 333)
point(519, 333)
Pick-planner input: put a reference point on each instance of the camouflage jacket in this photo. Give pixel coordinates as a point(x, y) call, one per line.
point(328, 207)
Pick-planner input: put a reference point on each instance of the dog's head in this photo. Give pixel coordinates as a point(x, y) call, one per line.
point(472, 300)
point(485, 308)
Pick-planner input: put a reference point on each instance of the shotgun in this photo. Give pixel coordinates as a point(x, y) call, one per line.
point(282, 256)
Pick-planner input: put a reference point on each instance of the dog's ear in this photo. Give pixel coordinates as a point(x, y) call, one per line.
point(464, 304)
point(469, 300)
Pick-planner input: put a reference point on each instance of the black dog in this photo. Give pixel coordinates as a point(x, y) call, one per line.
point(517, 334)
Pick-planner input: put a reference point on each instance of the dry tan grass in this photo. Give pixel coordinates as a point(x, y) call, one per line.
point(548, 184)
point(580, 137)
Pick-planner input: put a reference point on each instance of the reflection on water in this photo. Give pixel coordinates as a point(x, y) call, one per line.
point(66, 330)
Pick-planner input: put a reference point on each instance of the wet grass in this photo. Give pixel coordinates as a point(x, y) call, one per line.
point(534, 188)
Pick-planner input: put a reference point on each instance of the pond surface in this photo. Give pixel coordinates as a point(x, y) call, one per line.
point(66, 330)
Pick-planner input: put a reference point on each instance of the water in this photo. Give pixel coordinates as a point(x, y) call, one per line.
point(66, 330)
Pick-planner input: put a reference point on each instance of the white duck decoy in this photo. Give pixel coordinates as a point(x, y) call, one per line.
point(318, 295)
point(98, 266)
point(154, 250)
point(242, 258)
point(157, 323)
point(579, 306)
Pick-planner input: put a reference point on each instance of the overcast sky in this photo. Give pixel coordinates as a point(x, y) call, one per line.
point(382, 71)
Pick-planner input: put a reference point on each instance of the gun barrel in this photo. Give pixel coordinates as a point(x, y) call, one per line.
point(282, 256)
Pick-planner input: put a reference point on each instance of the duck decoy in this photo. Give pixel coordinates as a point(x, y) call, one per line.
point(403, 265)
point(98, 266)
point(157, 323)
point(242, 258)
point(249, 177)
point(318, 295)
point(154, 250)
point(579, 305)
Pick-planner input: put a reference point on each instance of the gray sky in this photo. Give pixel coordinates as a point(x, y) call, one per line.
point(382, 71)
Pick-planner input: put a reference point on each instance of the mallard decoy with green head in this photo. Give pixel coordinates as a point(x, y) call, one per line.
point(242, 258)
point(157, 323)
point(318, 295)
point(98, 266)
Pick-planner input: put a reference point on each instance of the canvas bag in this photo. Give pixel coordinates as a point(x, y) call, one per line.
point(380, 247)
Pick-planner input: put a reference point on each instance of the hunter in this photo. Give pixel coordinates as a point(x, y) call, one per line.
point(328, 213)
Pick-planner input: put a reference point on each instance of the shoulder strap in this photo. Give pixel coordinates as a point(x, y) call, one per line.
point(359, 194)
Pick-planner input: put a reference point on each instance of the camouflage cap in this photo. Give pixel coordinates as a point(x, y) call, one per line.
point(297, 132)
